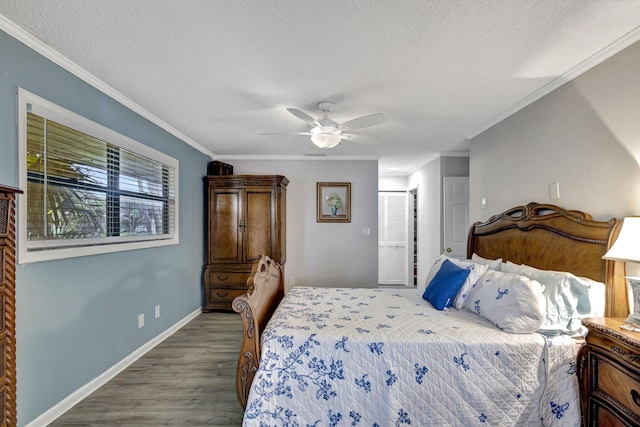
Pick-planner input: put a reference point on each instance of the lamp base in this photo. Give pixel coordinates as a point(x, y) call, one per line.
point(634, 319)
point(634, 316)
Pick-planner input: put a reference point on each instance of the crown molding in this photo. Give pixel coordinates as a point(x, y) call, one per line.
point(56, 57)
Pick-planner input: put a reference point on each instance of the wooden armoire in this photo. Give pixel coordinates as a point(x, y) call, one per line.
point(9, 414)
point(246, 219)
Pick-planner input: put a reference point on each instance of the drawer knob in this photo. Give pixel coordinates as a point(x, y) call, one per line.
point(636, 397)
point(222, 278)
point(222, 294)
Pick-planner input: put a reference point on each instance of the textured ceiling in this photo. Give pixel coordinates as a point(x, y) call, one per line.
point(222, 72)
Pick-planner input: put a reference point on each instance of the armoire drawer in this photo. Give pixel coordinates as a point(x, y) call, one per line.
point(222, 298)
point(228, 280)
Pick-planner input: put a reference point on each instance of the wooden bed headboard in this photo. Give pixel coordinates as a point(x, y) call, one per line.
point(551, 238)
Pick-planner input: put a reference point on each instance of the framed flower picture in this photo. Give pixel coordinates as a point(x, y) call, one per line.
point(334, 202)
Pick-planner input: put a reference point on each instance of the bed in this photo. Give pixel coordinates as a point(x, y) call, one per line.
point(338, 356)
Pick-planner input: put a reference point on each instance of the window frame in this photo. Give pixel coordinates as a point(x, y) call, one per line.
point(67, 248)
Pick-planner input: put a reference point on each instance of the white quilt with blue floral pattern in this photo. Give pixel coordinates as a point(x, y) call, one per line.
point(371, 357)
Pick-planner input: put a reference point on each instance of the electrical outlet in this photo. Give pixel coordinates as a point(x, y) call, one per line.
point(157, 311)
point(292, 282)
point(141, 321)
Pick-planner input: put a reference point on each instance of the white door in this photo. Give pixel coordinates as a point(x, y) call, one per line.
point(392, 244)
point(456, 216)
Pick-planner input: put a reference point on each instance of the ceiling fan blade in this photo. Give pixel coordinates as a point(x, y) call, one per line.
point(365, 121)
point(286, 133)
point(303, 116)
point(359, 139)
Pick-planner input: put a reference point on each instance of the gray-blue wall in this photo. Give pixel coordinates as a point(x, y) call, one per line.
point(78, 317)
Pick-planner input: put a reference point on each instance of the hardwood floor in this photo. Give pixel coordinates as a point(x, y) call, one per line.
point(187, 380)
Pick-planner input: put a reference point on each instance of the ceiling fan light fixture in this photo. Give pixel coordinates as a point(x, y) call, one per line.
point(326, 140)
point(325, 133)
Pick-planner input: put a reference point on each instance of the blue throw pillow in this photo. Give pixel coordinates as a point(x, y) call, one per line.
point(445, 285)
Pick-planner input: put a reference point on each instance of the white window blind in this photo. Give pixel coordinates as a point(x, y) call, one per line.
point(88, 187)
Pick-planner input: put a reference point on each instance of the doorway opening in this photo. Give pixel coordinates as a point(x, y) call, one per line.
point(392, 238)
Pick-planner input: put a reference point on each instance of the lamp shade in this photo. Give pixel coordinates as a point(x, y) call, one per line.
point(326, 140)
point(627, 246)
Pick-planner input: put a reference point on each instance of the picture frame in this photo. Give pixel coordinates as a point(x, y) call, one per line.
point(333, 202)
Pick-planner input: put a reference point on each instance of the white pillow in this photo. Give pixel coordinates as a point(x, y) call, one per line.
point(435, 267)
point(567, 297)
point(513, 302)
point(494, 264)
point(510, 267)
point(597, 296)
point(476, 270)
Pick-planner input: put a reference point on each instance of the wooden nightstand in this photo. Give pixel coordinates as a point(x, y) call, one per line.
point(609, 374)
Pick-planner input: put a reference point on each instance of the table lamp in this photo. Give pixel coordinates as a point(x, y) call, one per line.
point(627, 248)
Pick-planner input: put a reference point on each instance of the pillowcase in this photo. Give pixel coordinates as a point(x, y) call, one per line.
point(494, 264)
point(476, 270)
point(445, 285)
point(566, 295)
point(511, 267)
point(432, 272)
point(597, 292)
point(514, 303)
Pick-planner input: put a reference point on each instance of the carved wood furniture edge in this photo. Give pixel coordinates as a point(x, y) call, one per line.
point(266, 289)
point(616, 335)
point(8, 406)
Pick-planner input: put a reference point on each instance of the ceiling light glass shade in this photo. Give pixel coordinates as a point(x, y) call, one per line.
point(326, 140)
point(627, 245)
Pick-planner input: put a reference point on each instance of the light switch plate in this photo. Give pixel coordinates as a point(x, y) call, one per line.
point(554, 190)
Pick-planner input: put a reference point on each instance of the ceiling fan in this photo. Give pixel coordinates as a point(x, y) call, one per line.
point(325, 133)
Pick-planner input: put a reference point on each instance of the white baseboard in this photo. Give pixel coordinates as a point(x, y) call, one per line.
point(74, 398)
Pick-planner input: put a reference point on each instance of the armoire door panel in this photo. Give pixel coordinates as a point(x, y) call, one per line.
point(258, 225)
point(226, 227)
